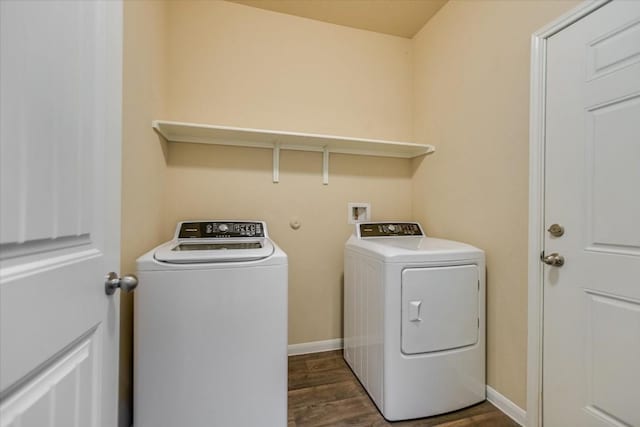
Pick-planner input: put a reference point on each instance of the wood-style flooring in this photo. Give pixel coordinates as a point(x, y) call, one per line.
point(324, 392)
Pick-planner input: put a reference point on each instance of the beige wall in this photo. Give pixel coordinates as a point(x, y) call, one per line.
point(471, 79)
point(143, 160)
point(235, 65)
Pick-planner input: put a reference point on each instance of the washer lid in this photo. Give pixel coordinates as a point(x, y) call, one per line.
point(414, 249)
point(192, 251)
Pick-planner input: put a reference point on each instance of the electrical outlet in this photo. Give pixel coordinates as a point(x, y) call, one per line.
point(358, 212)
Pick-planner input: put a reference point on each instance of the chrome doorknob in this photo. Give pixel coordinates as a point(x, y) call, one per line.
point(112, 282)
point(554, 259)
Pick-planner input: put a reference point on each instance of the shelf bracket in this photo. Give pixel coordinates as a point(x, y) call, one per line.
point(325, 166)
point(276, 163)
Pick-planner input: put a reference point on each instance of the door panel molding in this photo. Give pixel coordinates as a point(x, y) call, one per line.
point(19, 250)
point(611, 225)
point(26, 269)
point(8, 395)
point(604, 61)
point(537, 126)
point(66, 380)
point(609, 355)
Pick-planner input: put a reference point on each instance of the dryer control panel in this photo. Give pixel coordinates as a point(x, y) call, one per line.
point(389, 229)
point(221, 229)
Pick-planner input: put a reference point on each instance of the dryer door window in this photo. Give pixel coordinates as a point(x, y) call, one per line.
point(439, 308)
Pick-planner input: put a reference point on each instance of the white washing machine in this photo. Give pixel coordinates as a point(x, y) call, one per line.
point(414, 319)
point(210, 340)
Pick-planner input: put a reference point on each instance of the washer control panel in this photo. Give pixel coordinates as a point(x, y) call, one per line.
point(389, 229)
point(220, 229)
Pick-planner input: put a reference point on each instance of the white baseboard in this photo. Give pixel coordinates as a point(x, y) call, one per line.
point(512, 410)
point(315, 346)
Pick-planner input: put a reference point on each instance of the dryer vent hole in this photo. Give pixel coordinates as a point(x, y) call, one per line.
point(359, 212)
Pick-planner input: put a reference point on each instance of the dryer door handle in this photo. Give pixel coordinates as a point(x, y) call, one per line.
point(414, 311)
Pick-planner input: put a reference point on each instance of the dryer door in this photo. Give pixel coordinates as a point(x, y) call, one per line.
point(439, 308)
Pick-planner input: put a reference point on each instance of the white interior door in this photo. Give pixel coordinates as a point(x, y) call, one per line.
point(591, 356)
point(60, 137)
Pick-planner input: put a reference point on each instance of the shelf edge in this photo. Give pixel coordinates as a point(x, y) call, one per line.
point(385, 147)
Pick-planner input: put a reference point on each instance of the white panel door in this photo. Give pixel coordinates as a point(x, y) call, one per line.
point(591, 361)
point(60, 138)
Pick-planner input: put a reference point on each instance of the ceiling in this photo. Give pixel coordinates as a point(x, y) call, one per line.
point(402, 18)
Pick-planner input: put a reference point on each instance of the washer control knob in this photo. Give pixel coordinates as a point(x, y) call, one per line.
point(223, 227)
point(392, 228)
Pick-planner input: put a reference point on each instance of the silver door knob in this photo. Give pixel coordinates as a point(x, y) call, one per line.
point(112, 282)
point(554, 260)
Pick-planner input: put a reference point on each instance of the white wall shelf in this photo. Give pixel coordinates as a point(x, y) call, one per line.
point(281, 140)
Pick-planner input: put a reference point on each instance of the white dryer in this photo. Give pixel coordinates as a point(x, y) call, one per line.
point(211, 329)
point(414, 319)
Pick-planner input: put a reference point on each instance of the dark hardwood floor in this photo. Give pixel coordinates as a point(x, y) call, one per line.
point(324, 392)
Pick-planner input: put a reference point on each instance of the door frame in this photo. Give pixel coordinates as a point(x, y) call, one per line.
point(537, 133)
